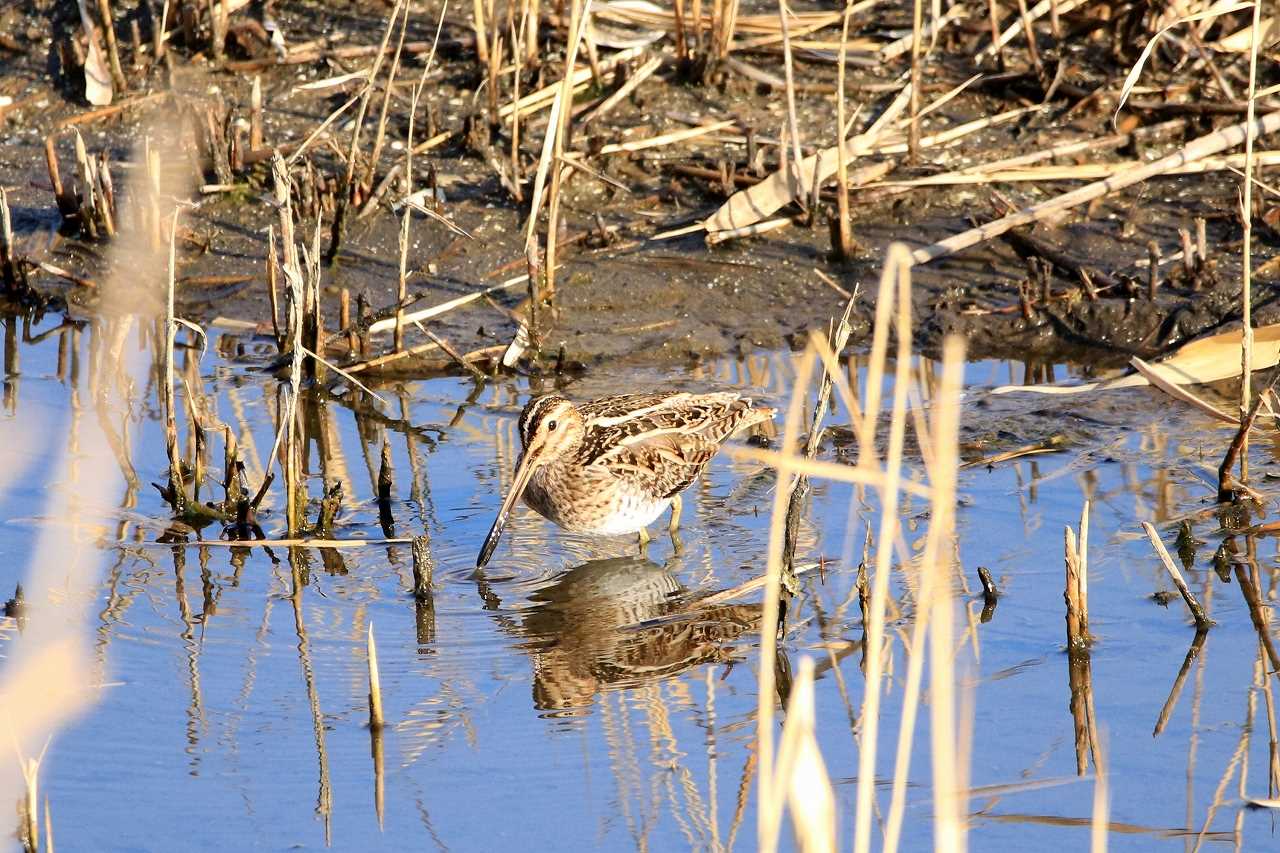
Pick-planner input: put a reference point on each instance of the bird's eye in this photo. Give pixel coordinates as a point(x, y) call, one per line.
point(551, 426)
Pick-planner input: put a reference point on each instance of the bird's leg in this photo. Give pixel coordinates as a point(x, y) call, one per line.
point(674, 526)
point(644, 539)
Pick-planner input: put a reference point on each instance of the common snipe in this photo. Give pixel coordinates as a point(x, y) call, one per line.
point(611, 466)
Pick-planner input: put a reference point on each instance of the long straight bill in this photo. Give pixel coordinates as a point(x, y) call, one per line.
point(523, 471)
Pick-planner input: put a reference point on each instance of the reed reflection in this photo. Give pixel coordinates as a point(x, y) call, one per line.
point(622, 622)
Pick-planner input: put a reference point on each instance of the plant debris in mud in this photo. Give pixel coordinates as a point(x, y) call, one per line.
point(458, 119)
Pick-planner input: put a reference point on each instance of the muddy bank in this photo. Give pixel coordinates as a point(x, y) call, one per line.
point(625, 289)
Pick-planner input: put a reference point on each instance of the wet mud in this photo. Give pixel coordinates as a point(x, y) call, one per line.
point(622, 293)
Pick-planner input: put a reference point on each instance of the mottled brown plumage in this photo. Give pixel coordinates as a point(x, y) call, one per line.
point(613, 465)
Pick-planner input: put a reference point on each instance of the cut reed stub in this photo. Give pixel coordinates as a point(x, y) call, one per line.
point(990, 594)
point(376, 719)
point(422, 568)
point(1203, 622)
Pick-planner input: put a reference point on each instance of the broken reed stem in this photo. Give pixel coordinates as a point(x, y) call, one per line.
point(844, 246)
point(800, 488)
point(375, 685)
point(1077, 586)
point(1240, 443)
point(1246, 273)
point(273, 273)
point(913, 133)
point(1203, 622)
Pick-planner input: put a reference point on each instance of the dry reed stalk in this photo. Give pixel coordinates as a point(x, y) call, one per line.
point(897, 270)
point(344, 319)
point(553, 147)
point(113, 50)
point(273, 271)
point(864, 475)
point(1203, 622)
point(1246, 273)
point(801, 772)
point(1032, 53)
point(348, 189)
point(402, 287)
point(913, 136)
point(481, 31)
point(376, 720)
point(380, 134)
point(934, 618)
point(176, 488)
point(949, 825)
point(580, 16)
point(794, 176)
point(48, 827)
point(1158, 380)
point(993, 13)
point(728, 25)
point(547, 95)
point(770, 813)
point(1197, 149)
point(457, 357)
point(1077, 172)
point(255, 114)
point(1023, 24)
point(640, 75)
point(1227, 487)
point(8, 268)
point(447, 306)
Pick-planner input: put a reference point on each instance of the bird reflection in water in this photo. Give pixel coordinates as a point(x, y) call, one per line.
point(622, 622)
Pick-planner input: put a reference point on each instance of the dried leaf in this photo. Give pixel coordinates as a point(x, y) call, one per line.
point(1223, 7)
point(1209, 359)
point(1155, 375)
point(97, 79)
point(1242, 40)
point(767, 197)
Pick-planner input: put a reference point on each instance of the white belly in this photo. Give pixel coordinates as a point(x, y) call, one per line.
point(598, 509)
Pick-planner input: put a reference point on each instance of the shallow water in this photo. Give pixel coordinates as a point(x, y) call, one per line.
point(527, 709)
